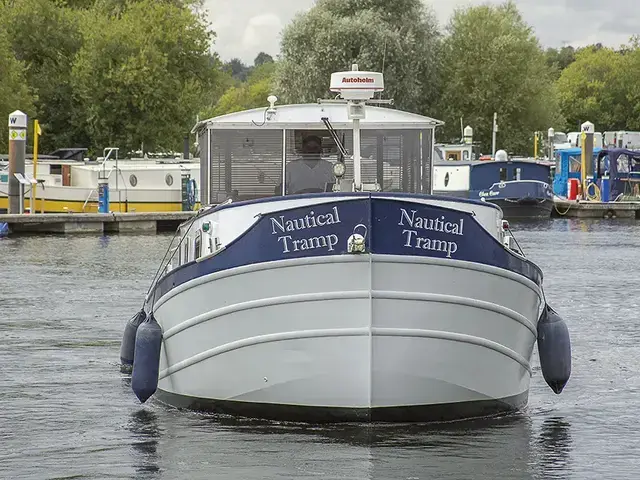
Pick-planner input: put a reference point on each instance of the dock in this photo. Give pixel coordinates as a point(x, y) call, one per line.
point(101, 223)
point(589, 209)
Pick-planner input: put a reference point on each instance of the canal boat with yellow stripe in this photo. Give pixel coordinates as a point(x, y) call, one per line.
point(66, 182)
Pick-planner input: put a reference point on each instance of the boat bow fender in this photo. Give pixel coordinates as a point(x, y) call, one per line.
point(554, 348)
point(127, 347)
point(146, 360)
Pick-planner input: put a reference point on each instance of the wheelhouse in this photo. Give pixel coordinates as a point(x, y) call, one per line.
point(245, 155)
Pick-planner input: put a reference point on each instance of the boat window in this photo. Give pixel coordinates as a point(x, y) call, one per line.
point(186, 251)
point(396, 160)
point(558, 159)
point(604, 164)
point(197, 246)
point(248, 164)
point(503, 175)
point(244, 164)
point(168, 179)
point(575, 163)
point(133, 180)
point(516, 173)
point(623, 164)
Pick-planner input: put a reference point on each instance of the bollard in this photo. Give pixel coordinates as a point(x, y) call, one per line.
point(17, 151)
point(103, 195)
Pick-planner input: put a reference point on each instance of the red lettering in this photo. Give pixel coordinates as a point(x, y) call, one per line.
point(357, 80)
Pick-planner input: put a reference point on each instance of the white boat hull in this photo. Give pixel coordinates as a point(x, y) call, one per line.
point(350, 337)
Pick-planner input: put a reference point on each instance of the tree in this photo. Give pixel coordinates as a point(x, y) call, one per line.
point(238, 70)
point(250, 94)
point(599, 86)
point(14, 92)
point(398, 37)
point(560, 59)
point(262, 58)
point(141, 75)
point(46, 38)
point(494, 63)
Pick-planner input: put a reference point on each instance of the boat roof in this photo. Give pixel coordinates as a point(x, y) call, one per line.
point(308, 116)
point(621, 151)
point(473, 163)
point(575, 150)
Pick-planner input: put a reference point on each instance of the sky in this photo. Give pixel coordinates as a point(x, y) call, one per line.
point(246, 27)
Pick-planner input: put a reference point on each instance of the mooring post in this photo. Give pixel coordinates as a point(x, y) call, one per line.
point(588, 130)
point(17, 151)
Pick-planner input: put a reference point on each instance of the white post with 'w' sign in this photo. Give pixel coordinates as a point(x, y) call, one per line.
point(17, 151)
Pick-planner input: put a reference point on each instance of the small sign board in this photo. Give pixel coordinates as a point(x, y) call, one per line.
point(30, 179)
point(588, 127)
point(21, 179)
point(17, 119)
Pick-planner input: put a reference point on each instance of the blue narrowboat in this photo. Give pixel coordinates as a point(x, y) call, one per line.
point(520, 187)
point(568, 165)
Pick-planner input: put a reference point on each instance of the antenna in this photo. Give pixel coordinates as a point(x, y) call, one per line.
point(384, 57)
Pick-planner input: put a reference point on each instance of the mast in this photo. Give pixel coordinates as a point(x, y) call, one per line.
point(356, 88)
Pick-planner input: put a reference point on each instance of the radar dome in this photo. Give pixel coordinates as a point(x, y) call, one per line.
point(501, 156)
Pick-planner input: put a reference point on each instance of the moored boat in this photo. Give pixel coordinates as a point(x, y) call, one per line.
point(522, 188)
point(65, 182)
point(345, 294)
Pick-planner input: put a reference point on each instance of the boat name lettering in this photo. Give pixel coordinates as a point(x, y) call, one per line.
point(286, 229)
point(484, 193)
point(413, 240)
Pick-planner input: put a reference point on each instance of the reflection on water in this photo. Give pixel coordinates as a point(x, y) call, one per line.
point(146, 432)
point(554, 444)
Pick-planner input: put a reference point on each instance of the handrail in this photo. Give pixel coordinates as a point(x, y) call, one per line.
point(87, 200)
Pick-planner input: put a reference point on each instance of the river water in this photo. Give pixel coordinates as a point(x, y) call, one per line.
point(66, 410)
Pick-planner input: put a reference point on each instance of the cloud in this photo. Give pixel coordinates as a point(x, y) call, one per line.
point(261, 33)
point(244, 28)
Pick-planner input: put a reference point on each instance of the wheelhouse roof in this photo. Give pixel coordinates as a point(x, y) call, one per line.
point(309, 115)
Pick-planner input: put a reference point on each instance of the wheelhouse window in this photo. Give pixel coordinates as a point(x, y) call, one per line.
point(252, 163)
point(503, 175)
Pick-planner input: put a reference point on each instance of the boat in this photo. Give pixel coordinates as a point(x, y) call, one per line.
point(67, 182)
point(521, 187)
point(347, 301)
point(567, 171)
point(616, 175)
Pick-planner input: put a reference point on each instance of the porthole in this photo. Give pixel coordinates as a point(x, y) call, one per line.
point(169, 179)
point(133, 180)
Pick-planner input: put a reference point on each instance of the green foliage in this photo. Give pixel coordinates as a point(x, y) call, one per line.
point(559, 59)
point(601, 86)
point(14, 92)
point(494, 63)
point(46, 38)
point(250, 94)
point(398, 37)
point(592, 88)
point(140, 76)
